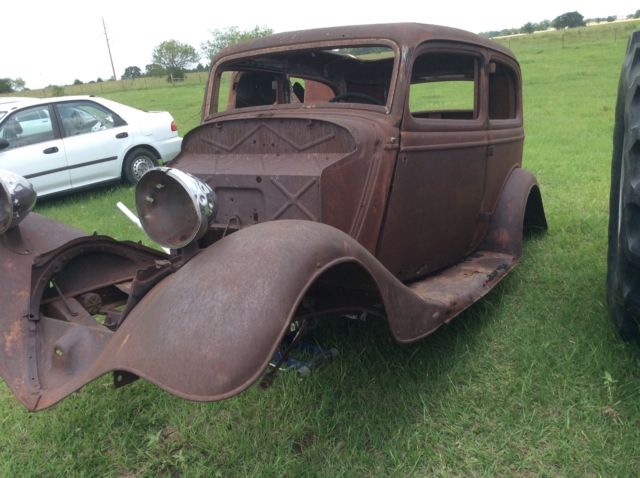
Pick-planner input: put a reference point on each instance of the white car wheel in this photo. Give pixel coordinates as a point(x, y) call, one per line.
point(138, 162)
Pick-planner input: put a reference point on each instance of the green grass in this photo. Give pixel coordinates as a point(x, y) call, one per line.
point(532, 381)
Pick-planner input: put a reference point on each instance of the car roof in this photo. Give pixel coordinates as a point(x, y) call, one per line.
point(410, 34)
point(11, 103)
point(15, 101)
point(19, 101)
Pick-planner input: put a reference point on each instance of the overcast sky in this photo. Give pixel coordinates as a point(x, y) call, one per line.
point(61, 40)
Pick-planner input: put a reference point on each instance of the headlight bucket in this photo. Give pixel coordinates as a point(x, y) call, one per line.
point(174, 207)
point(17, 198)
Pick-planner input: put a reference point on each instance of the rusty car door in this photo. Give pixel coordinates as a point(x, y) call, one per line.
point(433, 217)
point(505, 131)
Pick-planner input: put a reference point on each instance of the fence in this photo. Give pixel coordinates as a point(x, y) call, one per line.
point(572, 37)
point(110, 86)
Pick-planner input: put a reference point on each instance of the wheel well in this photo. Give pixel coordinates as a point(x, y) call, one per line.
point(534, 217)
point(347, 285)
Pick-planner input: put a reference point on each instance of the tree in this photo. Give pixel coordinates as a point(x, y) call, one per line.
point(6, 85)
point(153, 69)
point(568, 20)
point(528, 28)
point(223, 37)
point(131, 72)
point(18, 84)
point(77, 82)
point(174, 56)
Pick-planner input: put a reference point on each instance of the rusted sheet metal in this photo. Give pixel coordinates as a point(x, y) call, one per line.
point(336, 170)
point(48, 334)
point(207, 332)
point(17, 361)
point(520, 206)
point(401, 33)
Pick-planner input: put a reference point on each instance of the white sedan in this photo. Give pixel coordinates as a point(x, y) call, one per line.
point(73, 142)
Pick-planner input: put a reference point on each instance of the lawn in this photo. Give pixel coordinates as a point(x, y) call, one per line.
point(531, 381)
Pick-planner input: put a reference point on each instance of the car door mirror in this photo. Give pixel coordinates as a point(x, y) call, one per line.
point(4, 144)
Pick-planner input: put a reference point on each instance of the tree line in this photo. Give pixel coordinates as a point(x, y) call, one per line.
point(170, 58)
point(566, 20)
point(173, 58)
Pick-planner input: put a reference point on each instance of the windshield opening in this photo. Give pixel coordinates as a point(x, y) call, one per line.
point(360, 74)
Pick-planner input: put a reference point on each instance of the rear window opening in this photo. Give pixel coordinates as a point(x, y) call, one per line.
point(503, 100)
point(360, 75)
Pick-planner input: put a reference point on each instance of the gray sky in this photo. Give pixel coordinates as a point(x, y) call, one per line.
point(58, 41)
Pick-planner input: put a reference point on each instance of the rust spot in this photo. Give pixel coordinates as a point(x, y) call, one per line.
point(10, 338)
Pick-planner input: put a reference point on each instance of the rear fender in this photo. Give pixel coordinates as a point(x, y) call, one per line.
point(519, 208)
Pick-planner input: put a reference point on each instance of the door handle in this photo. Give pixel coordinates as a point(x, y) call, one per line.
point(53, 149)
point(122, 135)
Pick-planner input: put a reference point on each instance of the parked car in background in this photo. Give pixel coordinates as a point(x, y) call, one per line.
point(72, 142)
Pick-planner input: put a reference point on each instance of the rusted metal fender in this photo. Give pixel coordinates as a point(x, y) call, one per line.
point(35, 235)
point(520, 207)
point(208, 331)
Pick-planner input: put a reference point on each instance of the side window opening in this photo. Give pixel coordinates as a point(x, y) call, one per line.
point(26, 127)
point(308, 91)
point(86, 117)
point(444, 86)
point(244, 89)
point(503, 101)
point(255, 88)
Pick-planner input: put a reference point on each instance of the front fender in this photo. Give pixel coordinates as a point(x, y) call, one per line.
point(208, 331)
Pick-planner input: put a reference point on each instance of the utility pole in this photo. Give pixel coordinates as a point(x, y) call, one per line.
point(109, 49)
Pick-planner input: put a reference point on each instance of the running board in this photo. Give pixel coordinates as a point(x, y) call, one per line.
point(459, 286)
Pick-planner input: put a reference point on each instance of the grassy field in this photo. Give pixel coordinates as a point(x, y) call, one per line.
point(532, 381)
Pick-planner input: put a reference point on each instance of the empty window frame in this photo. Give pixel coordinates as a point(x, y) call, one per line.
point(358, 74)
point(503, 100)
point(444, 86)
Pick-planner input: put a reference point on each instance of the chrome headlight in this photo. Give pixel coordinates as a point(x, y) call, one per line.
point(174, 207)
point(17, 198)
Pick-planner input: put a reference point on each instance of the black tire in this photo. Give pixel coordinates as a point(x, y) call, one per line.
point(137, 162)
point(623, 258)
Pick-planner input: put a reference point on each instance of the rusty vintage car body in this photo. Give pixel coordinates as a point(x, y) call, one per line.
point(371, 168)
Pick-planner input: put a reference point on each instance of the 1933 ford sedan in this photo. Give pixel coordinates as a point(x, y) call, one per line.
point(336, 171)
